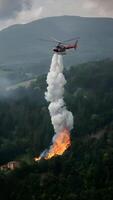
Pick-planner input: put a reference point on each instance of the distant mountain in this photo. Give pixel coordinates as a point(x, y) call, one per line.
point(21, 48)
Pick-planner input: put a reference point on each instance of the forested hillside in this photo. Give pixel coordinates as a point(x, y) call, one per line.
point(85, 171)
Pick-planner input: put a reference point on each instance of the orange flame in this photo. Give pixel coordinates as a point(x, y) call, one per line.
point(61, 142)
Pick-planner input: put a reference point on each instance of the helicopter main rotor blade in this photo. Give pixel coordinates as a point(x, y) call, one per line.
point(55, 40)
point(58, 41)
point(44, 40)
point(76, 38)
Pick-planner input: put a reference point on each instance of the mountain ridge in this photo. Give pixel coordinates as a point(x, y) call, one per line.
point(21, 45)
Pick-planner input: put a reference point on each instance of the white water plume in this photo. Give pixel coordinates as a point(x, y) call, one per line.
point(61, 118)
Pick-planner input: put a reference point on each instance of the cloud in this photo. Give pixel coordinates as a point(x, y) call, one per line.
point(24, 11)
point(10, 8)
point(103, 8)
point(106, 5)
point(22, 18)
point(94, 8)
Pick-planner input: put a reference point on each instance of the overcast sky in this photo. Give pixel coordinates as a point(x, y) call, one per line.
point(24, 11)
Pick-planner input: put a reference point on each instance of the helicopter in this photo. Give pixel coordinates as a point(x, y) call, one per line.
point(62, 46)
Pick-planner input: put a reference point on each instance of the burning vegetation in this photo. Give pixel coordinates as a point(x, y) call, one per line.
point(61, 143)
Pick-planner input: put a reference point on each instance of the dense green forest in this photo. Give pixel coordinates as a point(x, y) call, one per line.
point(85, 171)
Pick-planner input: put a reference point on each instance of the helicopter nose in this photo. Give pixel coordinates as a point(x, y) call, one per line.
point(54, 49)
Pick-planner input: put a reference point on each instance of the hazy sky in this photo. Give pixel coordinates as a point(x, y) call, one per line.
point(23, 11)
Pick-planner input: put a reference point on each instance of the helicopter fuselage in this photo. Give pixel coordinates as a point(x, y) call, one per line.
point(61, 49)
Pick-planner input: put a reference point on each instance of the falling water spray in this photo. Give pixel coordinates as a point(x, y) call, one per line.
point(61, 118)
